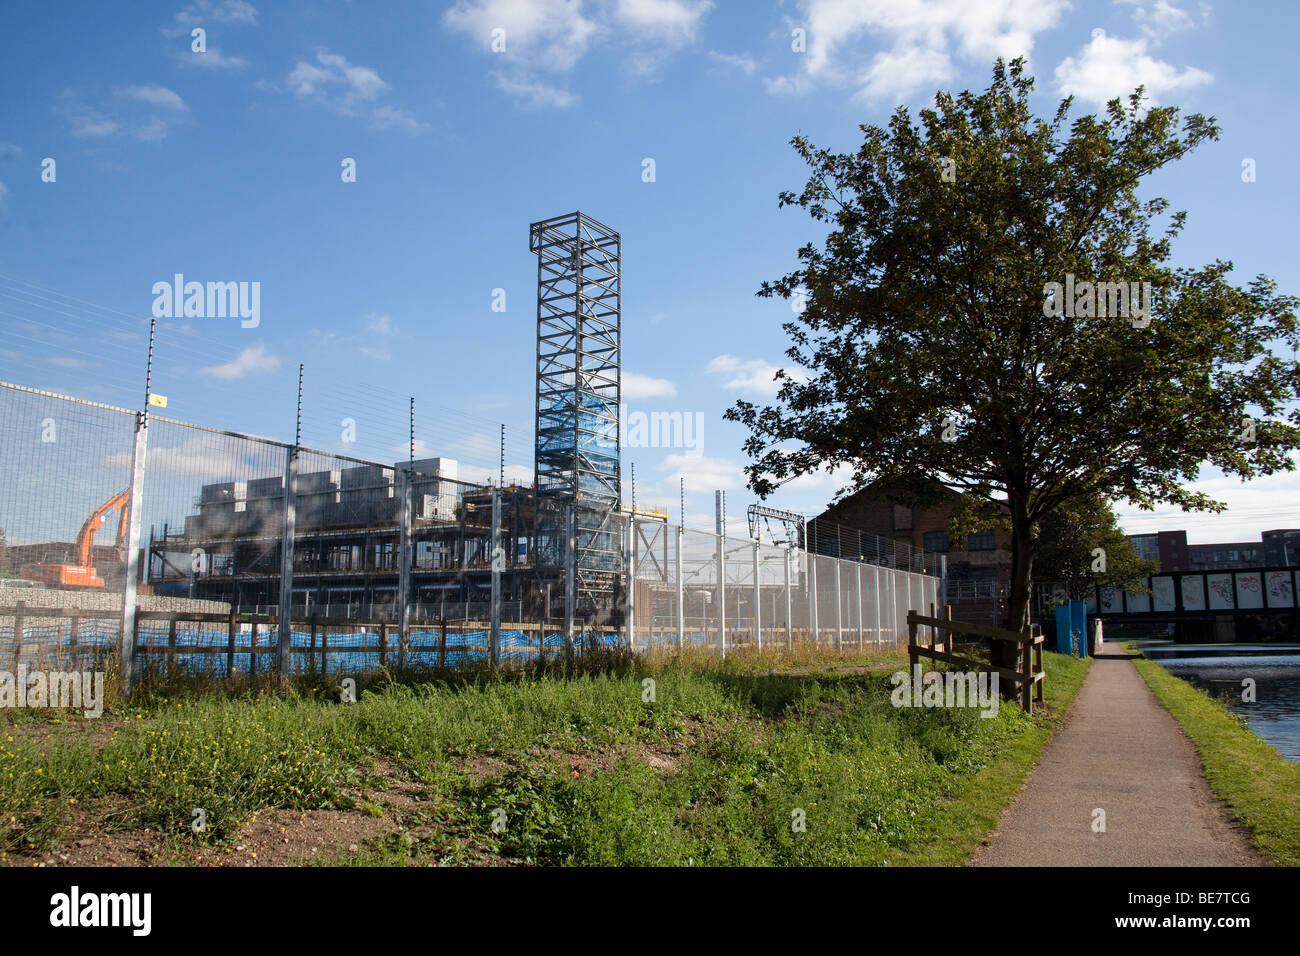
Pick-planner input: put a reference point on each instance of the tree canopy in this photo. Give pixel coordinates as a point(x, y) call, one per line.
point(995, 306)
point(1081, 546)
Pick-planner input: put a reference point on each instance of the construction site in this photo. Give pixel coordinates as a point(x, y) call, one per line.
point(322, 554)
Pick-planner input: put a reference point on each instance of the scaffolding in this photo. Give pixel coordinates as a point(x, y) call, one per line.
point(578, 395)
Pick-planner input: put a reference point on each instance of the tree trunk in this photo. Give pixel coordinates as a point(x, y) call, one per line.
point(1016, 617)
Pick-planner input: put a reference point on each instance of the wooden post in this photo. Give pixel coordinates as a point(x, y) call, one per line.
point(314, 618)
point(18, 632)
point(171, 646)
point(442, 643)
point(383, 644)
point(1027, 681)
point(912, 656)
point(230, 646)
point(252, 657)
point(325, 649)
point(1038, 666)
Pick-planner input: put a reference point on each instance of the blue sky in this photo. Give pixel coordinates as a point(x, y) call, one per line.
point(225, 165)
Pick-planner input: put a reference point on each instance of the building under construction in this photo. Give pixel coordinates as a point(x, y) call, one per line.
point(557, 544)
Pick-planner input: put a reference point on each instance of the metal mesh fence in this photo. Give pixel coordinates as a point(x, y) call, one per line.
point(255, 556)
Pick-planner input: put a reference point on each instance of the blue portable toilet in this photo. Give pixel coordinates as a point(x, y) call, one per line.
point(1063, 629)
point(1072, 628)
point(1079, 626)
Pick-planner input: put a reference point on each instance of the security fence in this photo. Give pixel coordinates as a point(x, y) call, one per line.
point(226, 554)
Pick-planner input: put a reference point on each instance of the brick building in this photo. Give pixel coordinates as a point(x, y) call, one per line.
point(1275, 549)
point(979, 567)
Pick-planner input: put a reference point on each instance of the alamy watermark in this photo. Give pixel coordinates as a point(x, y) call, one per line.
point(950, 689)
point(1103, 300)
point(179, 299)
point(73, 690)
point(684, 430)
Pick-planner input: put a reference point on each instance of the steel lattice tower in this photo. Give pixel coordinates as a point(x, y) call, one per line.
point(578, 393)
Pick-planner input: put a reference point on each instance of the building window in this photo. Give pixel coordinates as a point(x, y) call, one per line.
point(936, 541)
point(980, 541)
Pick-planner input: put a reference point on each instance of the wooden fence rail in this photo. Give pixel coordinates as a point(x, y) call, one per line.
point(1029, 676)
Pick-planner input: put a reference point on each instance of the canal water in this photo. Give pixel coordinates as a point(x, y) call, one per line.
point(1275, 713)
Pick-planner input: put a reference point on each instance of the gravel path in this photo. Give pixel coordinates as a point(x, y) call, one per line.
point(1121, 752)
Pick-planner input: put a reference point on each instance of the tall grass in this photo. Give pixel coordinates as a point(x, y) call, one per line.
point(692, 762)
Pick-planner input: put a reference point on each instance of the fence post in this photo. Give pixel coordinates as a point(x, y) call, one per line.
point(681, 591)
point(875, 587)
point(839, 608)
point(812, 598)
point(230, 644)
point(1027, 679)
point(758, 601)
point(570, 579)
point(498, 560)
point(135, 503)
point(789, 606)
point(893, 603)
point(629, 566)
point(18, 632)
point(286, 564)
point(171, 646)
point(252, 656)
point(404, 569)
point(862, 625)
point(912, 656)
point(722, 590)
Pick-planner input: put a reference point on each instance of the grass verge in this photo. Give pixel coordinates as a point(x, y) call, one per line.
point(1260, 787)
point(678, 761)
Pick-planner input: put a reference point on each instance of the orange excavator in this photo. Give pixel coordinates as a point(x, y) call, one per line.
point(82, 574)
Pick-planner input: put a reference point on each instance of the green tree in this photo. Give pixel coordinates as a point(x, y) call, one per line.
point(1081, 546)
point(935, 347)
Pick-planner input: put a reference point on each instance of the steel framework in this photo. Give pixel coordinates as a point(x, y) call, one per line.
point(579, 336)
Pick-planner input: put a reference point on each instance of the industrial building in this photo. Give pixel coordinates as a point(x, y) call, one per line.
point(347, 540)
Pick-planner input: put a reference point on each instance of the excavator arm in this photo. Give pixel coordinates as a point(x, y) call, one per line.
point(82, 574)
point(98, 518)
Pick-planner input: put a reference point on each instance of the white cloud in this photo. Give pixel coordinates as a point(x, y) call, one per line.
point(546, 34)
point(674, 21)
point(251, 361)
point(914, 41)
point(134, 106)
point(210, 457)
point(86, 121)
point(535, 93)
point(1264, 504)
point(4, 193)
point(154, 96)
point(374, 343)
point(751, 375)
point(737, 61)
point(9, 149)
point(390, 117)
point(67, 361)
point(532, 38)
point(211, 59)
point(636, 385)
point(1108, 67)
point(335, 81)
point(701, 474)
point(201, 13)
point(896, 73)
point(1160, 18)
